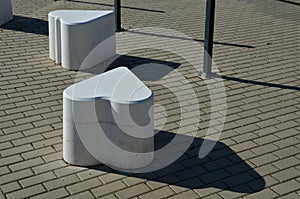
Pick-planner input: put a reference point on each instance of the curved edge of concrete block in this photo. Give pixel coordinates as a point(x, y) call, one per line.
point(110, 118)
point(75, 34)
point(6, 13)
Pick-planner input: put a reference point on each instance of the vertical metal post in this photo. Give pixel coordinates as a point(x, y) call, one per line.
point(209, 34)
point(118, 15)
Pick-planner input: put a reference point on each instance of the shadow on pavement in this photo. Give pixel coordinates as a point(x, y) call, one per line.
point(290, 2)
point(111, 5)
point(145, 68)
point(258, 82)
point(28, 25)
point(190, 39)
point(222, 168)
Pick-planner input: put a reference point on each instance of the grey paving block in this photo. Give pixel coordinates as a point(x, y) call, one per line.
point(108, 188)
point(286, 187)
point(27, 192)
point(133, 191)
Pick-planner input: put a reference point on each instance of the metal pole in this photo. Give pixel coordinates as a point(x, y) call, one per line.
point(209, 34)
point(118, 15)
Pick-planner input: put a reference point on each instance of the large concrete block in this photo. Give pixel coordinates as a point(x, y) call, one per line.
point(109, 119)
point(6, 13)
point(77, 34)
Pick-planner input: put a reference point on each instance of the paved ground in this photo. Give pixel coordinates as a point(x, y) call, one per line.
point(257, 51)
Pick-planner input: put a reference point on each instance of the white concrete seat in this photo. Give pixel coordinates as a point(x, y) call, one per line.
point(108, 119)
point(74, 34)
point(6, 13)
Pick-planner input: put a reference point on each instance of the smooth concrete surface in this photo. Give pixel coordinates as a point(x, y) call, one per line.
point(75, 34)
point(108, 119)
point(6, 13)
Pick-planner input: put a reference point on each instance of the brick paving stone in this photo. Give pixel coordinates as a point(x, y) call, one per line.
point(47, 142)
point(26, 164)
point(188, 194)
point(229, 194)
point(10, 160)
point(108, 188)
point(213, 196)
point(49, 166)
point(237, 179)
point(28, 139)
point(90, 174)
point(287, 133)
point(130, 181)
point(61, 182)
point(286, 152)
point(133, 191)
point(10, 187)
point(53, 157)
point(266, 193)
point(37, 179)
point(85, 185)
point(37, 153)
point(286, 163)
point(286, 187)
point(287, 142)
point(18, 128)
point(265, 149)
point(264, 159)
point(27, 192)
point(58, 193)
point(68, 170)
point(266, 169)
point(16, 150)
point(15, 176)
point(5, 145)
point(85, 195)
point(291, 196)
point(243, 146)
point(4, 170)
point(286, 174)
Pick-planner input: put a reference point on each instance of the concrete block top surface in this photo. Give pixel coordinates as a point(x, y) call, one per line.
point(118, 85)
point(75, 17)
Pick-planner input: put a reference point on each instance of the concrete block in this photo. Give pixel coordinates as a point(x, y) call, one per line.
point(77, 34)
point(109, 119)
point(5, 11)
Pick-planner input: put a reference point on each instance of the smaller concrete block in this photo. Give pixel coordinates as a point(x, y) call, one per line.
point(75, 35)
point(6, 13)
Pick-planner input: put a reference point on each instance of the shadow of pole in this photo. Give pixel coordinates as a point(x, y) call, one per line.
point(111, 5)
point(198, 40)
point(257, 82)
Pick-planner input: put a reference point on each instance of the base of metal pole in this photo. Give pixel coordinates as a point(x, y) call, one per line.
point(208, 42)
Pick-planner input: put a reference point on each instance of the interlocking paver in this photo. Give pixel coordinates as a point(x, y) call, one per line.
point(133, 191)
point(85, 185)
point(27, 192)
point(267, 193)
point(108, 188)
point(286, 163)
point(86, 195)
point(49, 166)
point(26, 164)
point(38, 152)
point(286, 187)
point(10, 187)
point(58, 193)
point(15, 176)
point(61, 182)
